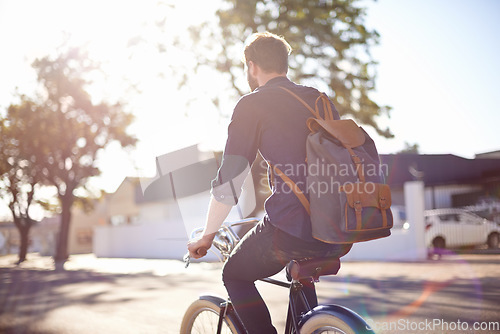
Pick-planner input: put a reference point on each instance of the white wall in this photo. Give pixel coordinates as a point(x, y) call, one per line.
point(161, 232)
point(150, 240)
point(163, 227)
point(394, 247)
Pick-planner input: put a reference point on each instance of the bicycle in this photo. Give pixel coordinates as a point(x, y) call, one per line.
point(212, 314)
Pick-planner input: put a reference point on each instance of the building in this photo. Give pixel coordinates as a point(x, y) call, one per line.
point(154, 221)
point(450, 180)
point(153, 218)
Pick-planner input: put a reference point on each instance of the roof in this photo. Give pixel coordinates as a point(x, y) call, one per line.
point(187, 181)
point(438, 169)
point(491, 154)
point(182, 173)
point(433, 169)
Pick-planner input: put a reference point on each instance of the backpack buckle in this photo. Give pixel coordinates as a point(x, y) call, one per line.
point(383, 203)
point(357, 160)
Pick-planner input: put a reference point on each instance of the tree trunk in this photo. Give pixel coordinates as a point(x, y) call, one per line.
point(24, 234)
point(61, 255)
point(23, 225)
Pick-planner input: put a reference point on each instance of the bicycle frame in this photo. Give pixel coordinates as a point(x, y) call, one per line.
point(296, 295)
point(225, 241)
point(292, 320)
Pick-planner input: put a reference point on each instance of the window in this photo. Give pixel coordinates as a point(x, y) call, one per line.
point(118, 220)
point(84, 236)
point(449, 218)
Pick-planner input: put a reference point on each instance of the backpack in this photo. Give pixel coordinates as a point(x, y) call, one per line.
point(348, 200)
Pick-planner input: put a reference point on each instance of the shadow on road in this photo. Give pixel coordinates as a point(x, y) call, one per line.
point(28, 294)
point(401, 297)
point(81, 301)
point(84, 301)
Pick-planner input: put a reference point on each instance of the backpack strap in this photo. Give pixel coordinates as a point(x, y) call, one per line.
point(292, 185)
point(327, 109)
point(322, 97)
point(314, 112)
point(275, 170)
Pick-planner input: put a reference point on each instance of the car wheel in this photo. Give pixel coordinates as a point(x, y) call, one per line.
point(493, 240)
point(438, 244)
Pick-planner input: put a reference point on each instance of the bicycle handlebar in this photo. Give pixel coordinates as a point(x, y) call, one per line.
point(225, 239)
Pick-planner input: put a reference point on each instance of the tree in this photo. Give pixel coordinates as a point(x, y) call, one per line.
point(410, 148)
point(69, 130)
point(19, 173)
point(330, 41)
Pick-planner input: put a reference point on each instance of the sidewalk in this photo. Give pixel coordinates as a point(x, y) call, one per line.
point(150, 296)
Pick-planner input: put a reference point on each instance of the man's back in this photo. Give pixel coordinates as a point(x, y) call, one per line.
point(272, 122)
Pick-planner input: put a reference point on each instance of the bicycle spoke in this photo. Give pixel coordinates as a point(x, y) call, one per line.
point(328, 330)
point(206, 322)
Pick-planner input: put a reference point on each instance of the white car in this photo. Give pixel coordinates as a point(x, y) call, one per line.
point(449, 228)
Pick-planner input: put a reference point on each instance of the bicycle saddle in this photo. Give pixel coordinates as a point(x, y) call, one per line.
point(312, 268)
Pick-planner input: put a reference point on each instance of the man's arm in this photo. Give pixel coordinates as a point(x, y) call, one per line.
point(239, 153)
point(217, 213)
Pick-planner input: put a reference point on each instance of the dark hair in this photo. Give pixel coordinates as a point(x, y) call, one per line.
point(268, 51)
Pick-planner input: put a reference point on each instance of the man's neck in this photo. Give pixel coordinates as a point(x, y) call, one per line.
point(265, 77)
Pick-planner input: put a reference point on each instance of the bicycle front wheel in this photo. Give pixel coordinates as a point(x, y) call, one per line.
point(202, 317)
point(324, 323)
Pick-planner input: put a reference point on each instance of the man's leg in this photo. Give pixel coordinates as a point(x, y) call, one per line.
point(251, 260)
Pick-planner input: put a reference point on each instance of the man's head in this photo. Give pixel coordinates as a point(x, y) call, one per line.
point(269, 52)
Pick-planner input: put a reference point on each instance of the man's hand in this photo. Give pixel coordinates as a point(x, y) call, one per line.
point(198, 247)
point(217, 212)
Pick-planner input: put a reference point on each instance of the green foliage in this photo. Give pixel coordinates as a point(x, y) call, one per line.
point(19, 175)
point(410, 148)
point(72, 129)
point(331, 48)
point(55, 138)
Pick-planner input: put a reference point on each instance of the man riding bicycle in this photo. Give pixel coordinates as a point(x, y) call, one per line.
point(269, 122)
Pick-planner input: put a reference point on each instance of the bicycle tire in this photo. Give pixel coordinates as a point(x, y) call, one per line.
point(325, 323)
point(202, 317)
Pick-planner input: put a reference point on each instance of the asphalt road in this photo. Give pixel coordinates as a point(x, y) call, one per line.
point(150, 296)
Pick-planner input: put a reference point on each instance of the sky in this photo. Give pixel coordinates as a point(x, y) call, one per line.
point(437, 68)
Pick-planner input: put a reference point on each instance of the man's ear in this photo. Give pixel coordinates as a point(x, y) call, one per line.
point(253, 68)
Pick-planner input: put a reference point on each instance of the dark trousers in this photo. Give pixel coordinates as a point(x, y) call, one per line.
point(264, 251)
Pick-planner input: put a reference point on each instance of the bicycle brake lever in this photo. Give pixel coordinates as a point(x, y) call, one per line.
point(186, 259)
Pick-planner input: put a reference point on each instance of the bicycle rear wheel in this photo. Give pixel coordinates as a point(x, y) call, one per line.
point(202, 317)
point(324, 323)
